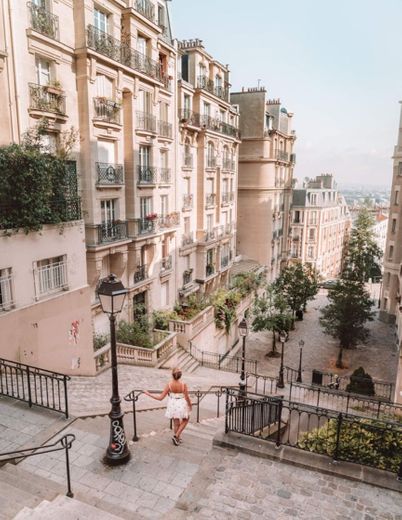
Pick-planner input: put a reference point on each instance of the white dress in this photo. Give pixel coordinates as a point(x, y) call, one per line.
point(177, 407)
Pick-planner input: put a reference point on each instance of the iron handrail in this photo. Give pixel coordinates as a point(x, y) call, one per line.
point(34, 385)
point(65, 444)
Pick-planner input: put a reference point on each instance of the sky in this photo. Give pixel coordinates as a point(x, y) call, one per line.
point(335, 64)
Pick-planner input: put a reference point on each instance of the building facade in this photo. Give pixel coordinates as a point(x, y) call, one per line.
point(320, 225)
point(208, 144)
point(266, 163)
point(380, 230)
point(390, 301)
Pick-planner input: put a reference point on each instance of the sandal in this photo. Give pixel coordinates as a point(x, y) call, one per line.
point(175, 440)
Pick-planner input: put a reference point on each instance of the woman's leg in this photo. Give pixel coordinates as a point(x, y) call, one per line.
point(183, 424)
point(176, 424)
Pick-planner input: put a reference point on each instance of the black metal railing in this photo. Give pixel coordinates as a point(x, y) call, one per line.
point(167, 263)
point(225, 362)
point(165, 129)
point(110, 173)
point(142, 63)
point(107, 110)
point(205, 83)
point(146, 122)
point(34, 386)
point(146, 226)
point(343, 437)
point(187, 277)
point(165, 176)
point(140, 274)
point(145, 8)
point(62, 444)
point(44, 21)
point(189, 117)
point(44, 99)
point(67, 209)
point(112, 231)
point(147, 174)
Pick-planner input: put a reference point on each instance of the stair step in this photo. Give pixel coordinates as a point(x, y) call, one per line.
point(13, 499)
point(23, 480)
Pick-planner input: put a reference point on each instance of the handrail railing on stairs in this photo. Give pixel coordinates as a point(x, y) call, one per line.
point(33, 385)
point(64, 443)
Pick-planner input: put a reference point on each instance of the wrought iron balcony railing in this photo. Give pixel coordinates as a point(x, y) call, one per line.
point(142, 63)
point(165, 129)
point(210, 199)
point(145, 8)
point(188, 160)
point(146, 226)
point(188, 201)
point(146, 122)
point(167, 263)
point(281, 155)
point(110, 173)
point(44, 21)
point(165, 176)
point(170, 220)
point(140, 274)
point(187, 239)
point(205, 83)
point(46, 101)
point(229, 130)
point(227, 197)
point(189, 117)
point(107, 110)
point(112, 231)
point(147, 175)
point(210, 234)
point(187, 277)
point(221, 92)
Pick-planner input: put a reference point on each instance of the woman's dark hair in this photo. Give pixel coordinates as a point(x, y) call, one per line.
point(176, 373)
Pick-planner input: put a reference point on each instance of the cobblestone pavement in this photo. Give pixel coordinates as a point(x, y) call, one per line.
point(378, 356)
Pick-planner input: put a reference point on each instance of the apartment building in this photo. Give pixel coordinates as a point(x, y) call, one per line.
point(380, 229)
point(320, 225)
point(266, 163)
point(208, 145)
point(390, 299)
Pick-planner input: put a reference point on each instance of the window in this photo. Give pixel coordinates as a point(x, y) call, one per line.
point(50, 142)
point(165, 294)
point(161, 16)
point(310, 252)
point(391, 252)
point(210, 155)
point(218, 81)
point(311, 234)
point(393, 226)
point(164, 205)
point(207, 109)
point(6, 293)
point(400, 168)
point(145, 206)
point(43, 76)
point(202, 71)
point(313, 217)
point(144, 101)
point(296, 217)
point(313, 199)
point(210, 222)
point(187, 225)
point(396, 198)
point(144, 156)
point(142, 45)
point(52, 274)
point(108, 214)
point(187, 103)
point(100, 20)
point(106, 150)
point(103, 86)
point(164, 112)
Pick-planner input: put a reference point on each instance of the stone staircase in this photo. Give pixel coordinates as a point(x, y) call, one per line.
point(180, 358)
point(35, 488)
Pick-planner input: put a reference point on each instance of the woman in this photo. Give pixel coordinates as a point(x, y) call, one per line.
point(179, 405)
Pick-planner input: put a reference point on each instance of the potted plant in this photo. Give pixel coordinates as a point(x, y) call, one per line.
point(54, 87)
point(151, 216)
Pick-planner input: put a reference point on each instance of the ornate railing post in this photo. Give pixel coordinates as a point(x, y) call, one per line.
point(338, 436)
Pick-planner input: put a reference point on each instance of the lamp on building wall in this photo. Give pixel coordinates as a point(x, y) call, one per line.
point(111, 294)
point(243, 332)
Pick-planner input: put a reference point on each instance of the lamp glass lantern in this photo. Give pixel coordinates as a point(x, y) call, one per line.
point(111, 294)
point(243, 328)
point(301, 343)
point(283, 336)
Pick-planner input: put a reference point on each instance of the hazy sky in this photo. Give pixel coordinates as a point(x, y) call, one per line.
point(335, 64)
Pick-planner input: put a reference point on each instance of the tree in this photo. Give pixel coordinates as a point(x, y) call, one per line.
point(310, 284)
point(271, 312)
point(363, 254)
point(346, 314)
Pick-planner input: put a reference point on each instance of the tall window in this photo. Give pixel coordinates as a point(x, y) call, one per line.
point(202, 71)
point(313, 199)
point(164, 205)
point(161, 16)
point(106, 150)
point(103, 86)
point(396, 198)
point(144, 101)
point(210, 222)
point(6, 294)
point(108, 211)
point(145, 206)
point(142, 45)
point(210, 155)
point(391, 252)
point(296, 218)
point(187, 103)
point(393, 227)
point(145, 156)
point(100, 20)
point(164, 112)
point(52, 274)
point(218, 81)
point(207, 110)
point(43, 76)
point(310, 252)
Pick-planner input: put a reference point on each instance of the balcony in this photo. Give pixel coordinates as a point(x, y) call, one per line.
point(146, 9)
point(166, 264)
point(52, 278)
point(187, 239)
point(216, 125)
point(281, 155)
point(140, 274)
point(210, 200)
point(147, 175)
point(204, 83)
point(186, 116)
point(188, 160)
point(146, 226)
point(227, 197)
point(165, 129)
point(187, 201)
point(107, 110)
point(146, 122)
point(170, 220)
point(112, 232)
point(187, 277)
point(44, 21)
point(109, 174)
point(221, 92)
point(210, 234)
point(165, 176)
point(46, 99)
point(230, 130)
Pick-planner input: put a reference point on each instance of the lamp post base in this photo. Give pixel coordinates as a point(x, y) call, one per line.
point(117, 452)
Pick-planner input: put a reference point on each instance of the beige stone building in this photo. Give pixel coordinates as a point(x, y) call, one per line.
point(208, 144)
point(320, 224)
point(391, 303)
point(266, 164)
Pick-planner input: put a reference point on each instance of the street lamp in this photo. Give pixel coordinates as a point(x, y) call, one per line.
point(243, 331)
point(111, 294)
point(299, 373)
point(282, 339)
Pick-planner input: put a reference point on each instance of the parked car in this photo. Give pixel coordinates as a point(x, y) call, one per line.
point(328, 284)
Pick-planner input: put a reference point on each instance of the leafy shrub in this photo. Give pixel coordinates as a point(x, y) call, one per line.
point(99, 341)
point(161, 319)
point(361, 383)
point(245, 283)
point(135, 333)
point(225, 303)
point(190, 308)
point(364, 441)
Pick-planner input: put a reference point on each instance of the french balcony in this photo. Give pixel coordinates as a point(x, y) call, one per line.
point(166, 264)
point(142, 63)
point(112, 232)
point(147, 225)
point(216, 125)
point(187, 239)
point(146, 9)
point(188, 160)
point(204, 83)
point(187, 201)
point(44, 21)
point(281, 155)
point(46, 99)
point(165, 176)
point(209, 270)
point(165, 129)
point(147, 175)
point(227, 197)
point(107, 110)
point(188, 117)
point(140, 274)
point(210, 200)
point(171, 220)
point(146, 122)
point(221, 92)
point(210, 234)
point(109, 174)
point(187, 277)
point(229, 130)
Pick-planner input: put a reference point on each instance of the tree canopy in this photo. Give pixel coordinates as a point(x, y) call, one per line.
point(298, 284)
